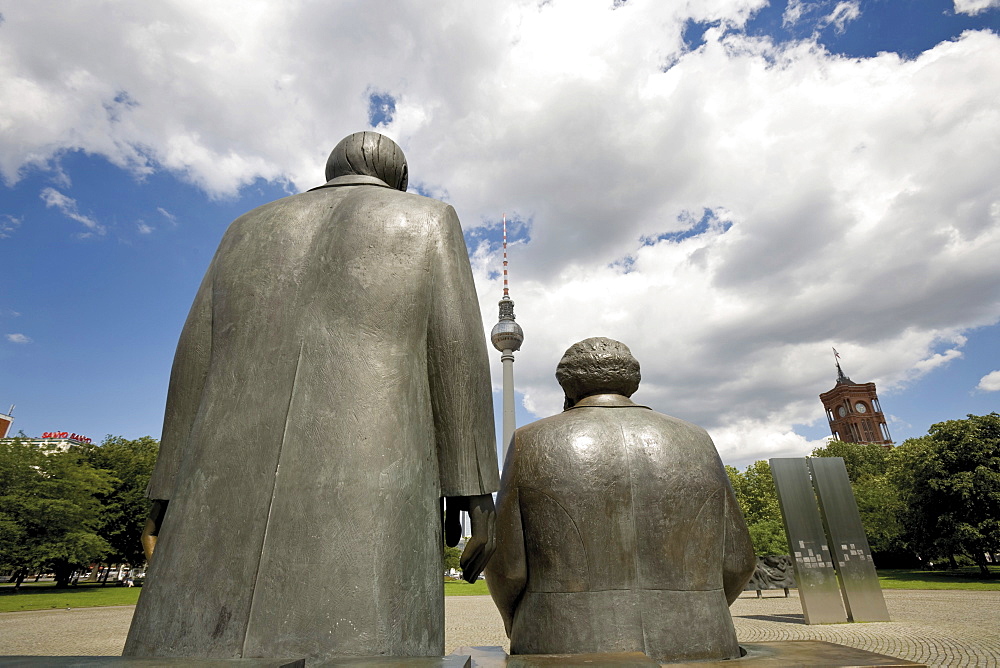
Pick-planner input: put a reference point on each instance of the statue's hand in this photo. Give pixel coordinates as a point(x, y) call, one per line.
point(482, 544)
point(453, 507)
point(152, 529)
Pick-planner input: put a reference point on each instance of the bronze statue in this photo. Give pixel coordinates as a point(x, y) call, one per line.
point(330, 385)
point(617, 528)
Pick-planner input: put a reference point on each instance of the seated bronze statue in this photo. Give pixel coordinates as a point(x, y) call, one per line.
point(617, 528)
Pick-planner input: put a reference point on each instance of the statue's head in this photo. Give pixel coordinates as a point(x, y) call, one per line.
point(597, 366)
point(369, 154)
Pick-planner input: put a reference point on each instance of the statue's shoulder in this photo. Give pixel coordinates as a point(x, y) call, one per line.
point(283, 205)
point(405, 201)
point(677, 427)
point(542, 425)
point(387, 200)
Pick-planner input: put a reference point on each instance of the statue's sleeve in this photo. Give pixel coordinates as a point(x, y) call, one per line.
point(507, 570)
point(738, 560)
point(187, 381)
point(459, 373)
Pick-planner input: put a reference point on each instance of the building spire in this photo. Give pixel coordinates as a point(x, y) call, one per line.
point(841, 377)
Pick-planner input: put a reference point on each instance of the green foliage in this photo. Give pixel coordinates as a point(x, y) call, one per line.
point(879, 503)
point(452, 558)
point(125, 506)
point(49, 510)
point(937, 496)
point(758, 499)
point(949, 482)
point(862, 460)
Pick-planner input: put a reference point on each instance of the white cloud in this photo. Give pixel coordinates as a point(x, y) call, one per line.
point(144, 228)
point(821, 13)
point(990, 382)
point(166, 214)
point(8, 224)
point(843, 13)
point(67, 206)
point(937, 359)
point(851, 201)
point(18, 338)
point(793, 12)
point(973, 7)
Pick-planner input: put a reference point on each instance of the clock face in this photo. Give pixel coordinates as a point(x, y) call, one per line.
point(842, 411)
point(860, 407)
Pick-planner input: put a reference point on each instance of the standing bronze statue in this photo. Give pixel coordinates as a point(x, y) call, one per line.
point(617, 528)
point(331, 384)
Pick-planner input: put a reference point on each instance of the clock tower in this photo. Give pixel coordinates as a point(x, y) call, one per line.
point(854, 412)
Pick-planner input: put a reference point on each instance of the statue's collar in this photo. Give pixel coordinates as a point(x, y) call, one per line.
point(606, 401)
point(353, 180)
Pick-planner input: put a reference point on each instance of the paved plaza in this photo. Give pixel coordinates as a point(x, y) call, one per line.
point(939, 628)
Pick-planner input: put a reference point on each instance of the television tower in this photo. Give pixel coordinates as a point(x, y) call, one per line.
point(507, 337)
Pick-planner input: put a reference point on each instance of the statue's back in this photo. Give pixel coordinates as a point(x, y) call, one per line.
point(623, 511)
point(304, 514)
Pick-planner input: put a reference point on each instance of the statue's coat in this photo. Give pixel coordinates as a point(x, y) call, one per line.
point(330, 384)
point(618, 531)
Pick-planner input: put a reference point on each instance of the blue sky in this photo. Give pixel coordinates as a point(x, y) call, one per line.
point(731, 190)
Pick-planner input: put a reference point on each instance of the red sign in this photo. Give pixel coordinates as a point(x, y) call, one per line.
point(66, 434)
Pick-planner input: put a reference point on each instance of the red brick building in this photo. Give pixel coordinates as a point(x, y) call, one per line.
point(854, 412)
point(6, 420)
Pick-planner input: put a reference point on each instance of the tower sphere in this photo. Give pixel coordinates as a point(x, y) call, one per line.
point(507, 335)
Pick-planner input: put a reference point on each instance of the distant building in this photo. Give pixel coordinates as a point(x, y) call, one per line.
point(854, 413)
point(51, 441)
point(6, 420)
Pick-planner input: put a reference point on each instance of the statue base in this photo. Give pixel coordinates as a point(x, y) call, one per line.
point(137, 662)
point(758, 655)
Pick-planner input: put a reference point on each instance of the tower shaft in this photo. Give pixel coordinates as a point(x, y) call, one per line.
point(509, 424)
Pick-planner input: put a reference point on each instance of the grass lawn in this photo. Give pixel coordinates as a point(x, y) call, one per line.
point(463, 588)
point(44, 596)
point(961, 578)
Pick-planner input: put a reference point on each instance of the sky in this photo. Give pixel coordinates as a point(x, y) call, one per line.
point(730, 187)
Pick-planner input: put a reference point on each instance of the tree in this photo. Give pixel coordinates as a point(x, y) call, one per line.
point(49, 511)
point(758, 499)
point(452, 558)
point(125, 506)
point(876, 494)
point(17, 473)
point(949, 481)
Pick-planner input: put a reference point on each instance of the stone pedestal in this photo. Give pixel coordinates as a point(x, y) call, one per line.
point(452, 661)
point(134, 662)
point(759, 655)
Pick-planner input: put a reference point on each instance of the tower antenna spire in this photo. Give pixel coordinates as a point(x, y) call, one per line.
point(506, 292)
